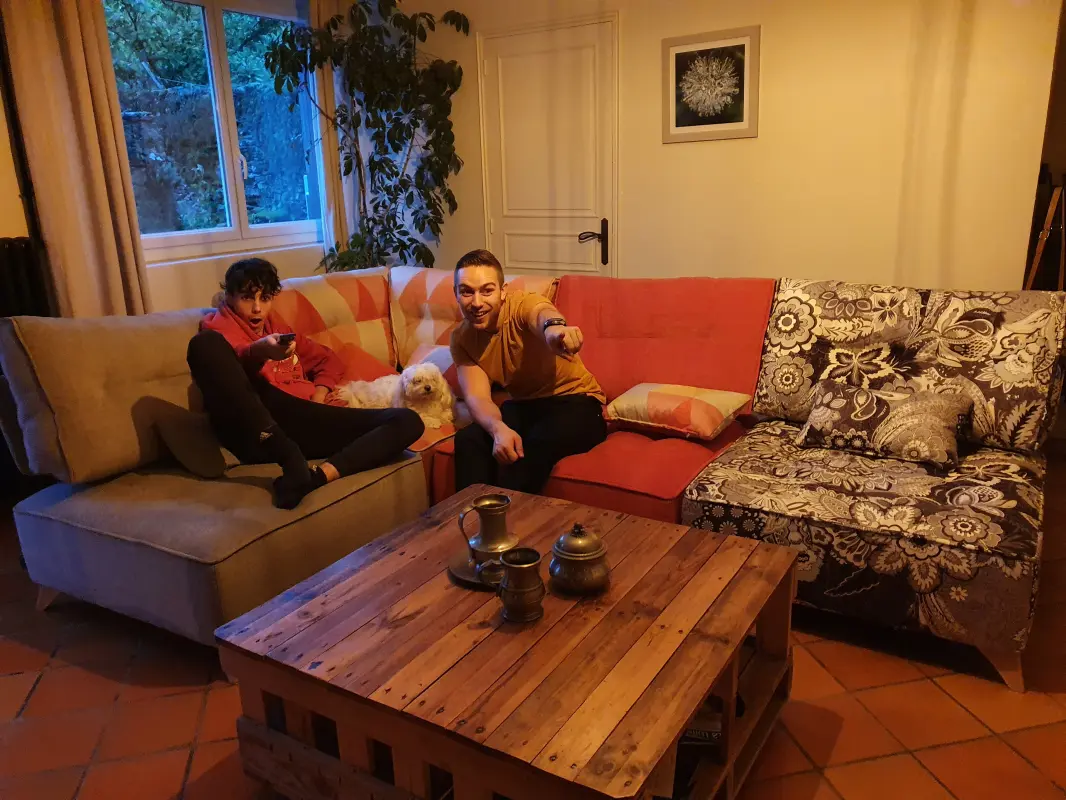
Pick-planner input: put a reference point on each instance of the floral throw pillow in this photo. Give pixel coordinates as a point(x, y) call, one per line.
point(676, 410)
point(922, 426)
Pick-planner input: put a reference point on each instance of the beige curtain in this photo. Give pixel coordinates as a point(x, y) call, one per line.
point(69, 110)
point(339, 192)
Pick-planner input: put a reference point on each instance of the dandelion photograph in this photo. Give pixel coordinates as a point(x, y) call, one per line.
point(710, 86)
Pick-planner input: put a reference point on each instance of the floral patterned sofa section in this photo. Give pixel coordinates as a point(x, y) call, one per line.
point(896, 542)
point(853, 333)
point(888, 540)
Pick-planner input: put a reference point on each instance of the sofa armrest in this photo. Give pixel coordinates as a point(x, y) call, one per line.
point(9, 425)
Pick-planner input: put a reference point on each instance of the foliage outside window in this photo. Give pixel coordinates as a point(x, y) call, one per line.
point(213, 149)
point(392, 123)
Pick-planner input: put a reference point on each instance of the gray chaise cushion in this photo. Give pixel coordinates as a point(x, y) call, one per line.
point(189, 554)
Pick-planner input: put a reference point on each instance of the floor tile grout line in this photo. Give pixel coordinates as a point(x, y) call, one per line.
point(1002, 741)
point(988, 731)
point(195, 744)
point(962, 705)
point(110, 718)
point(1000, 734)
point(29, 694)
point(1003, 738)
point(908, 753)
point(823, 665)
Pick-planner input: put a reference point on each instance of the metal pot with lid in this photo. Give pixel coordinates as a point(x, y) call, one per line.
point(579, 563)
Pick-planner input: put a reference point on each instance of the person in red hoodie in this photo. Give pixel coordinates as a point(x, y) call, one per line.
point(269, 392)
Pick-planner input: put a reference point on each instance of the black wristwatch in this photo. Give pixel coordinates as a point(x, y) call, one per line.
point(553, 321)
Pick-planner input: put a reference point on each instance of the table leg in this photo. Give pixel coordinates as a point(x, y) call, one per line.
point(774, 623)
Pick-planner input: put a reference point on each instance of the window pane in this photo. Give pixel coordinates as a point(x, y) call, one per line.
point(278, 145)
point(168, 113)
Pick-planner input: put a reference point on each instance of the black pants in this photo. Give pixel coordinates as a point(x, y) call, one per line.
point(242, 408)
point(551, 429)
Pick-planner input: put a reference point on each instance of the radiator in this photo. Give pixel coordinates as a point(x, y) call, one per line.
point(23, 285)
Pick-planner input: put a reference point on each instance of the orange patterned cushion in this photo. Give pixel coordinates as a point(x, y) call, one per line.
point(341, 310)
point(670, 409)
point(424, 309)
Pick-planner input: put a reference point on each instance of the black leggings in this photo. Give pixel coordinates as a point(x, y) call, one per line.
point(551, 429)
point(242, 408)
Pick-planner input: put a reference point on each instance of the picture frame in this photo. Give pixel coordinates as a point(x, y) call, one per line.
point(711, 86)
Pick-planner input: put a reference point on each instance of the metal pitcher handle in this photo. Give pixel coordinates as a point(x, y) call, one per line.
point(462, 530)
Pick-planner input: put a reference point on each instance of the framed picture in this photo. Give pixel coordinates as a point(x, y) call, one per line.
point(711, 86)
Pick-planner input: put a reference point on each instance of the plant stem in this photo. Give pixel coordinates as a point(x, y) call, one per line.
point(407, 157)
point(362, 177)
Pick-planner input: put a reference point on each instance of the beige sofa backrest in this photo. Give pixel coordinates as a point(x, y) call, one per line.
point(83, 390)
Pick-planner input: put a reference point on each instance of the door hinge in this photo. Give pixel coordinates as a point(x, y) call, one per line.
point(492, 225)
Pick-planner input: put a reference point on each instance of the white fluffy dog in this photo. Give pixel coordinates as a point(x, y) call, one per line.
point(420, 387)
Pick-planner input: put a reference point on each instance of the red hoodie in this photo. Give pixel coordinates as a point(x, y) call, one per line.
point(311, 365)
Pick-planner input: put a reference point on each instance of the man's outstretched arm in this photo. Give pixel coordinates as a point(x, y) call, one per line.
point(477, 392)
point(562, 339)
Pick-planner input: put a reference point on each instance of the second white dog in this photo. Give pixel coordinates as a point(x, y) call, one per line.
point(420, 387)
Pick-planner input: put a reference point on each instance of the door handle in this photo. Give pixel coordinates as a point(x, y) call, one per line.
point(588, 236)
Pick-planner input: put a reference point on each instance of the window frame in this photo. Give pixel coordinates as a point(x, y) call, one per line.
point(240, 235)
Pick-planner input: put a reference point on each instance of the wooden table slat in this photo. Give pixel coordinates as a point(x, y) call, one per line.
point(571, 748)
point(551, 703)
point(454, 652)
point(538, 531)
point(368, 593)
point(679, 546)
point(245, 628)
point(445, 699)
point(646, 732)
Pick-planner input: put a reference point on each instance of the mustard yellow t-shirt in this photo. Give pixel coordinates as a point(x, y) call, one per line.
point(516, 358)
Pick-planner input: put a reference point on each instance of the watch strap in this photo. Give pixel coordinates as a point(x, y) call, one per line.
point(553, 321)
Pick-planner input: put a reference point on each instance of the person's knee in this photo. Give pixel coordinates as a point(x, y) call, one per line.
point(204, 346)
point(472, 438)
point(408, 425)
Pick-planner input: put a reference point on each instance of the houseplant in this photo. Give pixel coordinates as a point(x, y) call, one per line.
point(392, 124)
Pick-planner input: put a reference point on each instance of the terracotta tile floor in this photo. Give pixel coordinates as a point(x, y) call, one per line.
point(93, 705)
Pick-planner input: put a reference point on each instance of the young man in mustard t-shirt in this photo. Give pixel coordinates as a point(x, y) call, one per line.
point(520, 342)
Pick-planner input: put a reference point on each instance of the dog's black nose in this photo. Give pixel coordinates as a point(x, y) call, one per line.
point(428, 389)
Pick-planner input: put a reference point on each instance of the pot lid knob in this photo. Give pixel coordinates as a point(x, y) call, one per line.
point(579, 543)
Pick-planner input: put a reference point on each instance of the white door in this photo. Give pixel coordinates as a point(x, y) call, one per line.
point(549, 133)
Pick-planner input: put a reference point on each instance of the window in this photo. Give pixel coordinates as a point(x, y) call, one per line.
point(219, 162)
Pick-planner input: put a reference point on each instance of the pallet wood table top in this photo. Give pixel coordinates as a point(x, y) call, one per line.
point(595, 692)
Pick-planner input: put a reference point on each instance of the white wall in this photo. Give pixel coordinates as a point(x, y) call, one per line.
point(899, 140)
point(192, 283)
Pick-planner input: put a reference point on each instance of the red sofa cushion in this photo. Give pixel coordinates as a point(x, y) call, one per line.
point(704, 332)
point(636, 474)
point(630, 472)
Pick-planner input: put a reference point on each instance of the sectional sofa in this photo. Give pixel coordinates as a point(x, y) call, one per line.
point(956, 554)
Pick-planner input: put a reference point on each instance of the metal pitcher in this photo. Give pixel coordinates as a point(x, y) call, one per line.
point(493, 538)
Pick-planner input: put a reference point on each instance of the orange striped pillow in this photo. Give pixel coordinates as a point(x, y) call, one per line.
point(676, 410)
point(341, 309)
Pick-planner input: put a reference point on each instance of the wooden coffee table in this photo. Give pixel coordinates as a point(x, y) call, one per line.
point(379, 678)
